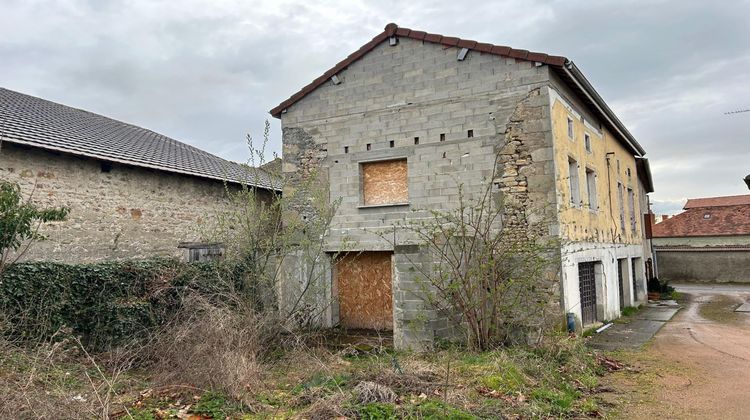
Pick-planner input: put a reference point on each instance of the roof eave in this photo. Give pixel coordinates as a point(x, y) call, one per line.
point(132, 163)
point(644, 169)
point(575, 74)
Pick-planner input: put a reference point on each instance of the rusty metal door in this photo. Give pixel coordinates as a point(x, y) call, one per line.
point(365, 290)
point(587, 288)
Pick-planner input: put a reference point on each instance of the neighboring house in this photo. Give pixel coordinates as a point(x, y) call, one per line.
point(708, 242)
point(398, 125)
point(132, 193)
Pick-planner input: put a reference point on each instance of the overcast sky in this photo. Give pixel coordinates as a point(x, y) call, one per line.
point(207, 72)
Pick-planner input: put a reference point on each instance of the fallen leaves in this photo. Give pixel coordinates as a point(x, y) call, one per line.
point(611, 365)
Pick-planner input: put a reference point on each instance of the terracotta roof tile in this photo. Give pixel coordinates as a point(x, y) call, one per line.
point(522, 54)
point(432, 38)
point(721, 219)
point(730, 200)
point(450, 40)
point(465, 43)
point(393, 29)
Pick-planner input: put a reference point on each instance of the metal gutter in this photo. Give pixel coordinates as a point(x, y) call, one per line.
point(572, 71)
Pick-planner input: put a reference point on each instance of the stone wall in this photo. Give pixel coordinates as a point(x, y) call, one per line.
point(128, 212)
point(715, 266)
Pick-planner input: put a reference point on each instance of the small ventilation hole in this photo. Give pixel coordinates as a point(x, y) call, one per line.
point(369, 146)
point(470, 133)
point(346, 149)
point(442, 136)
point(391, 143)
point(416, 140)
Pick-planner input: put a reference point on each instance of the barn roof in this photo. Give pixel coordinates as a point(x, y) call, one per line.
point(37, 122)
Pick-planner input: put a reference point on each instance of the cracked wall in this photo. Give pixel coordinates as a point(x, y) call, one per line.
point(449, 120)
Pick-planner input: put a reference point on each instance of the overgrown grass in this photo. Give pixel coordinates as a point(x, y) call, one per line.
point(557, 379)
point(630, 310)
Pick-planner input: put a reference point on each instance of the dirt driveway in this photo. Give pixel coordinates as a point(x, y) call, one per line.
point(698, 365)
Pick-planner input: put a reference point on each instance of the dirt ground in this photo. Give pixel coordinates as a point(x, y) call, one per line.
point(697, 366)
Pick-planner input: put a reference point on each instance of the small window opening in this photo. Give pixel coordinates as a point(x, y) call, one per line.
point(442, 136)
point(570, 127)
point(346, 149)
point(416, 140)
point(443, 155)
point(573, 183)
point(391, 143)
point(369, 146)
point(587, 142)
point(470, 134)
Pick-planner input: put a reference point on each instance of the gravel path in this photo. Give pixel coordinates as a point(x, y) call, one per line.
point(698, 365)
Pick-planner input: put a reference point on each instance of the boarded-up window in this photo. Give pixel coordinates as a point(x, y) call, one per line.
point(385, 182)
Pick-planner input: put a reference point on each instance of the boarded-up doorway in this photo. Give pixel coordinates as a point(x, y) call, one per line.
point(364, 288)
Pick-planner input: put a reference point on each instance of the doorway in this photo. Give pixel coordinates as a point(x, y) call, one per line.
point(365, 296)
point(587, 289)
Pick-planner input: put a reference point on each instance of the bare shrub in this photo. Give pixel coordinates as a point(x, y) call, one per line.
point(368, 392)
point(213, 344)
point(331, 407)
point(490, 265)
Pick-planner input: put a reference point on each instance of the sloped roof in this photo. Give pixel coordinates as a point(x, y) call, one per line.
point(729, 200)
point(393, 30)
point(566, 68)
point(713, 216)
point(36, 122)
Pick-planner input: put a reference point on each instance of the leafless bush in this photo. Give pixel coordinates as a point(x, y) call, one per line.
point(213, 344)
point(368, 392)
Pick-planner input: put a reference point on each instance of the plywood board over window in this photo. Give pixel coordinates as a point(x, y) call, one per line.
point(364, 288)
point(385, 182)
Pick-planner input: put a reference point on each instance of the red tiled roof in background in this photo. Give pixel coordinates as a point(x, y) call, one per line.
point(392, 29)
point(712, 216)
point(730, 200)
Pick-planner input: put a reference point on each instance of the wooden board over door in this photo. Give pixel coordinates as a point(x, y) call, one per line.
point(365, 290)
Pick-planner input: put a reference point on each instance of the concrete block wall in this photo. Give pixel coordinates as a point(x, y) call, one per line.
point(419, 90)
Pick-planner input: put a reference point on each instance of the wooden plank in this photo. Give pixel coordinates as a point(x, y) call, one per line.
point(365, 290)
point(385, 182)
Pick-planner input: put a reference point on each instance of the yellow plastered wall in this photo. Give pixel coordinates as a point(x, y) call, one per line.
point(579, 222)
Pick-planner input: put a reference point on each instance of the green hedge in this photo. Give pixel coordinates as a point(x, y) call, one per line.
point(105, 303)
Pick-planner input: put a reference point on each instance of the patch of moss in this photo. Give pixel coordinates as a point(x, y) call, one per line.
point(508, 380)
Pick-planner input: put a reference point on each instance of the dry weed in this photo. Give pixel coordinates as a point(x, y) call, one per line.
point(213, 345)
point(369, 392)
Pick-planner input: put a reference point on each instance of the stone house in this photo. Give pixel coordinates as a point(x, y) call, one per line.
point(400, 124)
point(708, 242)
point(133, 193)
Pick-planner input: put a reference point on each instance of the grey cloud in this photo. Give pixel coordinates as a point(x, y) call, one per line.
point(207, 72)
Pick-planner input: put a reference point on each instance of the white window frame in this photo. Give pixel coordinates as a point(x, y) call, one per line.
point(591, 189)
point(631, 208)
point(574, 182)
point(621, 201)
point(571, 129)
